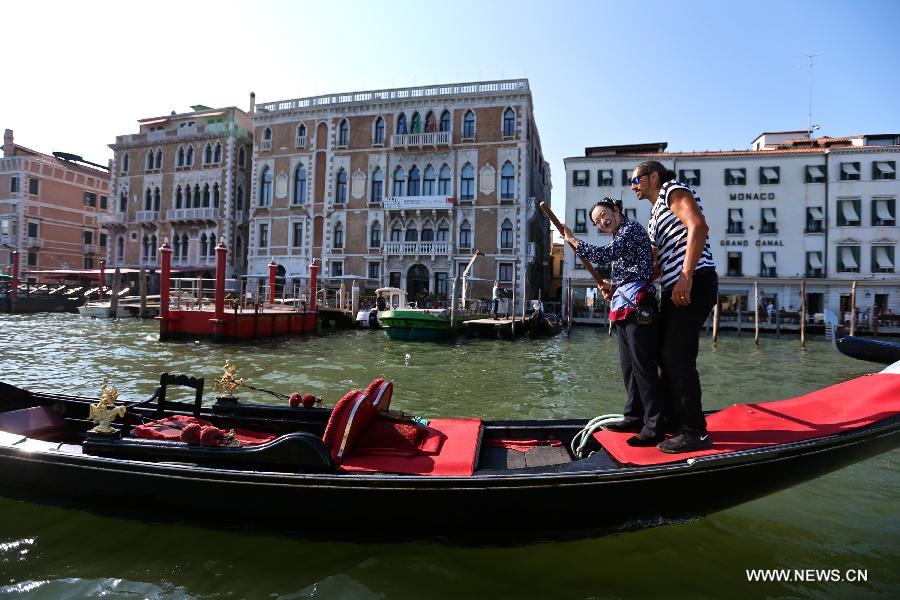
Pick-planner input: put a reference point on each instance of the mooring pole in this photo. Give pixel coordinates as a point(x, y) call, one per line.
point(454, 303)
point(165, 253)
point(802, 314)
point(853, 309)
point(114, 298)
point(102, 277)
point(272, 268)
point(756, 314)
point(142, 290)
point(715, 325)
point(14, 290)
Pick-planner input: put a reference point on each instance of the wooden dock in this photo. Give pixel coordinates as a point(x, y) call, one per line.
point(494, 328)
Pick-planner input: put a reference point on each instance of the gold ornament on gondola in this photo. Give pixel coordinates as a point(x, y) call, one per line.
point(105, 411)
point(228, 383)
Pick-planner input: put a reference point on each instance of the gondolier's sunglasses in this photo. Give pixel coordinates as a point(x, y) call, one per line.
point(637, 180)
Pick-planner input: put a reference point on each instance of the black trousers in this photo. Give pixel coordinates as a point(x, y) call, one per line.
point(639, 357)
point(680, 344)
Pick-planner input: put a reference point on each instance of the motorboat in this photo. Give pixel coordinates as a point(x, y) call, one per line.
point(394, 298)
point(362, 469)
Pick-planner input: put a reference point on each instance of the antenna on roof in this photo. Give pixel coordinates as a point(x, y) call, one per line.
point(809, 124)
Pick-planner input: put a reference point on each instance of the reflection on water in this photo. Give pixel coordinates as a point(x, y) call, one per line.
point(847, 519)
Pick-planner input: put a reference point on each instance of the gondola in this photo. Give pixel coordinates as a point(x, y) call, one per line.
point(362, 470)
point(868, 349)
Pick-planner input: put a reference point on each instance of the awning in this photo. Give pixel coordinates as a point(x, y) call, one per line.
point(883, 210)
point(849, 168)
point(815, 171)
point(735, 215)
point(881, 257)
point(770, 173)
point(815, 260)
point(847, 258)
point(816, 213)
point(690, 173)
point(736, 173)
point(849, 212)
point(769, 215)
point(769, 259)
point(884, 167)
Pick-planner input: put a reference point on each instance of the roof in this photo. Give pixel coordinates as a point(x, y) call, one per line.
point(626, 149)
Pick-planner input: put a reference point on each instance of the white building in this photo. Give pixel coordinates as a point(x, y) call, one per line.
point(822, 210)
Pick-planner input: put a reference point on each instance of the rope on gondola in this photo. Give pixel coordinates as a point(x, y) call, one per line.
point(258, 389)
point(581, 439)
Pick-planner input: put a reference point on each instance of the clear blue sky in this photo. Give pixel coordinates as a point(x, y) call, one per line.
point(698, 75)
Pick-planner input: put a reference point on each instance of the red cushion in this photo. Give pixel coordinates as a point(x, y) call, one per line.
point(380, 393)
point(456, 455)
point(170, 429)
point(350, 417)
point(390, 435)
point(842, 407)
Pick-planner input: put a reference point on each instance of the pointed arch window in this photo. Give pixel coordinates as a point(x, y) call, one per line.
point(216, 195)
point(240, 199)
point(509, 122)
point(207, 154)
point(217, 153)
point(444, 181)
point(157, 164)
point(465, 234)
point(344, 133)
point(339, 235)
point(265, 188)
point(125, 163)
point(184, 246)
point(375, 235)
point(205, 195)
point(153, 246)
point(412, 234)
point(429, 123)
point(378, 135)
point(203, 246)
point(428, 181)
point(300, 184)
point(266, 143)
point(396, 232)
point(445, 121)
point(301, 131)
point(123, 201)
point(443, 232)
point(148, 200)
point(467, 182)
point(178, 197)
point(507, 181)
point(377, 185)
point(416, 123)
point(399, 182)
point(415, 181)
point(401, 123)
point(469, 124)
point(148, 164)
point(180, 156)
point(340, 195)
point(120, 249)
point(196, 196)
point(189, 159)
point(156, 199)
point(506, 234)
point(239, 247)
point(427, 232)
point(241, 157)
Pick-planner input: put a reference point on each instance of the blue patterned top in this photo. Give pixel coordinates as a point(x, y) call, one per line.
point(629, 251)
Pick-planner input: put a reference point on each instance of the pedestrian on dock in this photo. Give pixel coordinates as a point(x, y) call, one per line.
point(495, 299)
point(632, 309)
point(690, 289)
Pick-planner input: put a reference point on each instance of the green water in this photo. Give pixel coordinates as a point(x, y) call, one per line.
point(846, 520)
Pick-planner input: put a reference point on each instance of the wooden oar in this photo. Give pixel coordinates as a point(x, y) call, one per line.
point(587, 264)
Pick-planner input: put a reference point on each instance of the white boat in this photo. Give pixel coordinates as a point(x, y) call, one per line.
point(101, 309)
point(393, 297)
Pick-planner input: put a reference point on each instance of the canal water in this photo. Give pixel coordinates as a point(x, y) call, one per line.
point(849, 520)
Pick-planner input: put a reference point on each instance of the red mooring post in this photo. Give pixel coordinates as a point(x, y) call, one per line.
point(313, 276)
point(219, 320)
point(102, 277)
point(165, 273)
point(272, 267)
point(15, 281)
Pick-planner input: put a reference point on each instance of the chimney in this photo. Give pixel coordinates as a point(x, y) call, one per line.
point(252, 102)
point(8, 148)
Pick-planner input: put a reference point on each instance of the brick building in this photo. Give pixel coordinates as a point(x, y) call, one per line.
point(400, 187)
point(49, 209)
point(184, 178)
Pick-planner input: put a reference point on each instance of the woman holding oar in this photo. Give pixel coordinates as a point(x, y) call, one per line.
point(632, 307)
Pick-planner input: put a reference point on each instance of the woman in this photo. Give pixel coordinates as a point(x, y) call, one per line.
point(690, 288)
point(632, 304)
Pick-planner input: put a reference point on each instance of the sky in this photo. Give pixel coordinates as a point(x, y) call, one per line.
point(699, 75)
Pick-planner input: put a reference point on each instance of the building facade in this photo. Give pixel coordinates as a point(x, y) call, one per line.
point(822, 210)
point(49, 209)
point(400, 187)
point(185, 179)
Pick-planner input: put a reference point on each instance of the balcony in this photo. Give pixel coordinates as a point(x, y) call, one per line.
point(187, 130)
point(418, 248)
point(301, 141)
point(265, 145)
point(192, 214)
point(144, 216)
point(417, 140)
point(89, 248)
point(33, 242)
point(113, 218)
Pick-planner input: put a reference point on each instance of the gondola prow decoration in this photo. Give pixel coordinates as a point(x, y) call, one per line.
point(603, 284)
point(105, 411)
point(228, 383)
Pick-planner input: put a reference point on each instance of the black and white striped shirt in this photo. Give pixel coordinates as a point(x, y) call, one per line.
point(669, 234)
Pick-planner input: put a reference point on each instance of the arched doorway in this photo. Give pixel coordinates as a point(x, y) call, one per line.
point(417, 283)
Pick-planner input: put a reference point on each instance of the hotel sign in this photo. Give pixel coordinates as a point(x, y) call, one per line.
point(414, 202)
point(762, 196)
point(746, 243)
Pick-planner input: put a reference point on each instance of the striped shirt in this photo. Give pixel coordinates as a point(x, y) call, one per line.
point(669, 234)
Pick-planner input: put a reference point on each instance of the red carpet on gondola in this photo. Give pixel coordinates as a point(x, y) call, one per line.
point(835, 409)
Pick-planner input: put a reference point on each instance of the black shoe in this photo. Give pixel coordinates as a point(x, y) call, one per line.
point(644, 441)
point(686, 442)
point(625, 426)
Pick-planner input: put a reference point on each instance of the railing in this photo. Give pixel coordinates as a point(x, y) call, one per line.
point(462, 89)
point(192, 214)
point(188, 130)
point(301, 141)
point(118, 217)
point(418, 248)
point(405, 140)
point(147, 215)
point(89, 248)
point(32, 242)
point(265, 145)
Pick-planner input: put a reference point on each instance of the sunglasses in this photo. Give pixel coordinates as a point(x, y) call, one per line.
point(637, 180)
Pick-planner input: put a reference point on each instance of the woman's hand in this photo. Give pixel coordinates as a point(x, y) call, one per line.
point(570, 236)
point(681, 293)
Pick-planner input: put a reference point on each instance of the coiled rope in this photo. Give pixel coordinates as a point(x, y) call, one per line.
point(581, 439)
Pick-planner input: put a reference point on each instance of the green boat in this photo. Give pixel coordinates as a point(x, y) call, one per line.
point(416, 324)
